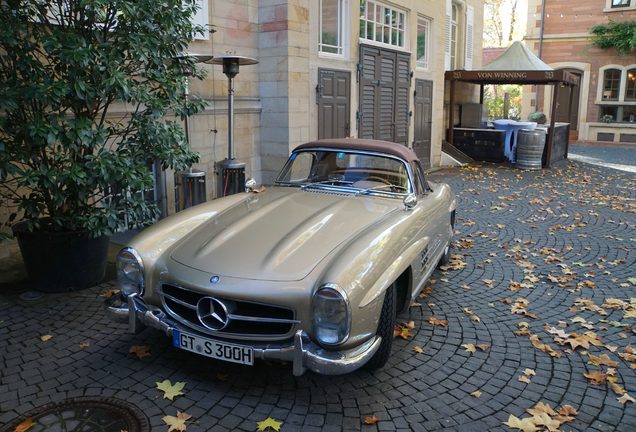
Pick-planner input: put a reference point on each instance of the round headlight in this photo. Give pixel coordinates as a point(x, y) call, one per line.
point(331, 315)
point(130, 272)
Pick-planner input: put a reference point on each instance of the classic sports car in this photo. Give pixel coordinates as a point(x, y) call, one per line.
point(312, 270)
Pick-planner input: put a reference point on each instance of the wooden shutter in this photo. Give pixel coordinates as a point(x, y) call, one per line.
point(470, 49)
point(201, 18)
point(385, 123)
point(369, 59)
point(447, 42)
point(402, 85)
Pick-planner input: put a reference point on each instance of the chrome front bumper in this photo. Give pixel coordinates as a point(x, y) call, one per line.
point(303, 353)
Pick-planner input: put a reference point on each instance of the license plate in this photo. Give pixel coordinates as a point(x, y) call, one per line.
point(211, 348)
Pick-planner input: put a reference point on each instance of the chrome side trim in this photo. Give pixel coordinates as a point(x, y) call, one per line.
point(302, 352)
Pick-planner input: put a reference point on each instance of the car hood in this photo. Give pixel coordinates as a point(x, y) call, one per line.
point(279, 235)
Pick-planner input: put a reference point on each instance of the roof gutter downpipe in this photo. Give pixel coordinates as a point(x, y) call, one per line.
point(536, 96)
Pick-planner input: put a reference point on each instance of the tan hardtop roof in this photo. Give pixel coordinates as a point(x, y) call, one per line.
point(368, 145)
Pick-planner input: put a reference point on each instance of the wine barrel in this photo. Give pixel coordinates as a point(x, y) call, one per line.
point(530, 144)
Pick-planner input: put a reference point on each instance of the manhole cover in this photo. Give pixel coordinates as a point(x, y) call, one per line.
point(84, 415)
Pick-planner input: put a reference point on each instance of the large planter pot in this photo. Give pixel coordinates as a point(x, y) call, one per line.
point(62, 261)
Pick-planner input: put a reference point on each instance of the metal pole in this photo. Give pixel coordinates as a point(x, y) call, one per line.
point(230, 120)
point(536, 95)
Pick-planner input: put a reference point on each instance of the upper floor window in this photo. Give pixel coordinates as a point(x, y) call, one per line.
point(331, 27)
point(381, 23)
point(423, 42)
point(453, 35)
point(621, 3)
point(611, 84)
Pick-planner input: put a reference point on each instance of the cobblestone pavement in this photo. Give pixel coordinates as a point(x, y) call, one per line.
point(558, 235)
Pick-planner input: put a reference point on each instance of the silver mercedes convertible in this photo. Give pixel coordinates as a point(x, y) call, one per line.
point(311, 270)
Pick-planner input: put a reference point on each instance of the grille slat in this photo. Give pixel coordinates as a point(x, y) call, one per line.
point(246, 319)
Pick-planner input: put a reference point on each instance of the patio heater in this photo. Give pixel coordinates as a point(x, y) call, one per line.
point(231, 172)
point(189, 185)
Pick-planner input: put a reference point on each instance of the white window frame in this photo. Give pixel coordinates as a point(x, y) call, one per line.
point(427, 24)
point(610, 8)
point(343, 15)
point(454, 24)
point(622, 89)
point(392, 9)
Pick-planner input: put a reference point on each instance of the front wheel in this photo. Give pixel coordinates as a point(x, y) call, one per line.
point(386, 325)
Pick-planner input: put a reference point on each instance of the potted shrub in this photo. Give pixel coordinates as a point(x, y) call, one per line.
point(538, 117)
point(92, 92)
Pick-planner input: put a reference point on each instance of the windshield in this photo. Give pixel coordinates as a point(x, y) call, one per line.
point(356, 171)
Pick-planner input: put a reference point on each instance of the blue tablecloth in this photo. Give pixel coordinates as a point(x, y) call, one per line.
point(511, 127)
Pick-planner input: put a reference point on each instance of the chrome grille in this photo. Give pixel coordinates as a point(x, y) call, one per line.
point(244, 319)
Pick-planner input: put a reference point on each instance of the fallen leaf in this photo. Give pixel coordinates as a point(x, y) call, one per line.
point(45, 338)
point(476, 394)
point(602, 360)
point(523, 379)
point(596, 377)
point(483, 346)
point(170, 390)
point(525, 425)
point(140, 351)
point(626, 398)
point(369, 420)
point(437, 322)
point(109, 293)
point(177, 423)
point(475, 318)
point(470, 348)
point(84, 345)
point(25, 425)
point(529, 372)
point(540, 408)
point(618, 389)
point(418, 349)
point(402, 332)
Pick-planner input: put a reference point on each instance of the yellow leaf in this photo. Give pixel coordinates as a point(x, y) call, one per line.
point(418, 349)
point(618, 389)
point(544, 419)
point(523, 379)
point(177, 423)
point(529, 372)
point(470, 347)
point(45, 338)
point(140, 351)
point(25, 425)
point(476, 394)
point(369, 420)
point(525, 425)
point(602, 360)
point(268, 423)
point(437, 322)
point(410, 325)
point(475, 318)
point(169, 390)
point(626, 398)
point(402, 332)
point(630, 314)
point(541, 407)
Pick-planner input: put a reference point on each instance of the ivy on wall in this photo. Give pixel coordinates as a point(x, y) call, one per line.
point(618, 35)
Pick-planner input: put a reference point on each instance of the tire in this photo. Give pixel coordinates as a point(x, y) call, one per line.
point(386, 325)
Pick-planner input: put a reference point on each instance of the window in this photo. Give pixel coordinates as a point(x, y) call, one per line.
point(611, 84)
point(630, 85)
point(620, 3)
point(380, 23)
point(331, 27)
point(453, 36)
point(423, 42)
point(617, 94)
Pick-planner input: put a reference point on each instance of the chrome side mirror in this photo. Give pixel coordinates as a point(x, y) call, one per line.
point(409, 201)
point(250, 185)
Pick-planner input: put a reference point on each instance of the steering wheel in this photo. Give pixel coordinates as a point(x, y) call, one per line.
point(378, 179)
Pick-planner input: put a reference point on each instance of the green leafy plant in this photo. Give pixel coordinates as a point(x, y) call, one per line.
point(537, 116)
point(607, 118)
point(93, 92)
point(619, 35)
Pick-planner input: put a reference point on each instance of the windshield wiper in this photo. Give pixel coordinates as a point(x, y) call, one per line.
point(378, 189)
point(332, 182)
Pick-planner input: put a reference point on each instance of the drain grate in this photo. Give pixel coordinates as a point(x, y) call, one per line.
point(85, 414)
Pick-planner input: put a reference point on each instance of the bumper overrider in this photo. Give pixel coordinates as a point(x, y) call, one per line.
point(302, 353)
